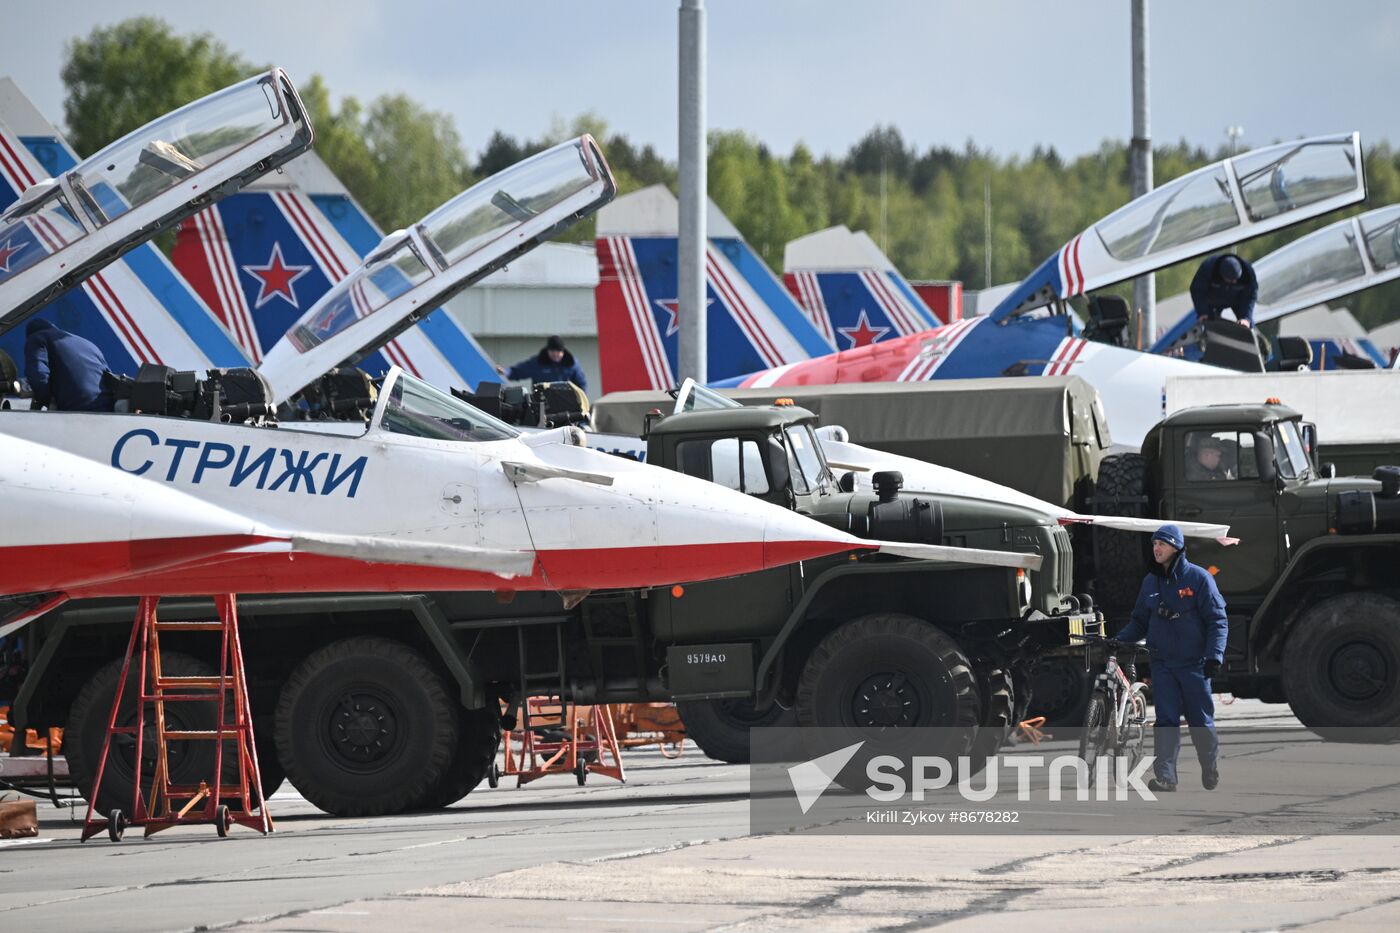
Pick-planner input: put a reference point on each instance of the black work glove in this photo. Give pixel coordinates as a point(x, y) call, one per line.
point(1212, 668)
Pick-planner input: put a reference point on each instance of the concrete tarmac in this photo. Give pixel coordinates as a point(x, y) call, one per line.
point(670, 851)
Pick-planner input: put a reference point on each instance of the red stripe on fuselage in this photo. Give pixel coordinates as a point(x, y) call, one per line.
point(583, 568)
point(41, 567)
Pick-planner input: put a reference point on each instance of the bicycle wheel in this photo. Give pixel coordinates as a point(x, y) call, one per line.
point(1134, 731)
point(1094, 741)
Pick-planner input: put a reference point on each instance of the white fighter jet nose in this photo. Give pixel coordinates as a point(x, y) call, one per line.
point(789, 538)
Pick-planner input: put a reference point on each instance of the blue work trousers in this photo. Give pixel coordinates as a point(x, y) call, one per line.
point(1177, 692)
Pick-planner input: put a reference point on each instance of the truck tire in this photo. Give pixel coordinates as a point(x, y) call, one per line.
point(365, 727)
point(915, 674)
point(478, 738)
point(721, 727)
point(1120, 557)
point(1341, 668)
point(1060, 689)
point(998, 707)
point(190, 762)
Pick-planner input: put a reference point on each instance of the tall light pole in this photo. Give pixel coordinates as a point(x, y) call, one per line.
point(1233, 133)
point(1140, 159)
point(690, 292)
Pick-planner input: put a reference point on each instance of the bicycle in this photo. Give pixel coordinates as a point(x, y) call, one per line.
point(1116, 718)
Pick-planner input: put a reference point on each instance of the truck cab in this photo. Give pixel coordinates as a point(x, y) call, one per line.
point(1308, 576)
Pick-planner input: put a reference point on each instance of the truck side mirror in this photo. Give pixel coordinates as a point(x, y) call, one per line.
point(1264, 457)
point(1327, 471)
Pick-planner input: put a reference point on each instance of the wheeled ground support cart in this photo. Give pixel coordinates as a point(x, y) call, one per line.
point(214, 799)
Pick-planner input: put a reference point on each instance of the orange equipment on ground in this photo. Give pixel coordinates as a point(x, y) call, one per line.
point(559, 738)
point(182, 804)
point(31, 736)
point(641, 724)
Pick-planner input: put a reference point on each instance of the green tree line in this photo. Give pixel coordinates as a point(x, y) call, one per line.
point(926, 209)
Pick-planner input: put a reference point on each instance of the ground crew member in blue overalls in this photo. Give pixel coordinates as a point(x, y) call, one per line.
point(1182, 614)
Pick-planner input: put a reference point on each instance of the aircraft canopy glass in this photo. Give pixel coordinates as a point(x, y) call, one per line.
point(485, 211)
point(1322, 260)
point(392, 270)
point(1382, 231)
point(419, 410)
point(1289, 176)
point(695, 397)
point(161, 154)
point(36, 227)
point(1272, 181)
point(1187, 209)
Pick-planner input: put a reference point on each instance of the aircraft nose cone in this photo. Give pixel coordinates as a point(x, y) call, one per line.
point(789, 537)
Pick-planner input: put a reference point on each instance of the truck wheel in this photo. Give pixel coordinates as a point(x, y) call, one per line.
point(1341, 668)
point(879, 674)
point(721, 727)
point(997, 710)
point(365, 727)
point(479, 735)
point(1120, 557)
point(190, 762)
point(1060, 689)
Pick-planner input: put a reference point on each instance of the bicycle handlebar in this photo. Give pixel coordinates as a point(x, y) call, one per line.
point(1113, 642)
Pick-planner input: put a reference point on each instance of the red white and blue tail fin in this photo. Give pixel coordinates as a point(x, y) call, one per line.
point(851, 291)
point(751, 321)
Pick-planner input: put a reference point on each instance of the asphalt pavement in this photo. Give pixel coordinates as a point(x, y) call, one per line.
point(670, 850)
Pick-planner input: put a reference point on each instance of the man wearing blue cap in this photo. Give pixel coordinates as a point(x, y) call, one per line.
point(1225, 281)
point(1182, 614)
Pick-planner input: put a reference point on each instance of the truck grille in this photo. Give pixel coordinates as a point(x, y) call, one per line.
point(1064, 561)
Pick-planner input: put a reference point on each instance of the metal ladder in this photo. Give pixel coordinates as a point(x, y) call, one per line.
point(183, 804)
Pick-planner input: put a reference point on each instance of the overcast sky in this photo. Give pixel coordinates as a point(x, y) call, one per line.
point(1007, 75)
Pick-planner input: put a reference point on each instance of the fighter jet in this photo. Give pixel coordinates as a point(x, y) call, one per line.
point(1031, 332)
point(62, 230)
point(428, 494)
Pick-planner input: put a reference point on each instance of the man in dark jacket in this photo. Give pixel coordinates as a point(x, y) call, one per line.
point(553, 363)
point(63, 369)
point(1182, 614)
point(1225, 281)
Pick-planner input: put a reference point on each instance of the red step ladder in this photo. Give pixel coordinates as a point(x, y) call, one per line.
point(184, 804)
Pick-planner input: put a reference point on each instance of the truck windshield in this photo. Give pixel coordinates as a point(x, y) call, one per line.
point(1289, 450)
point(418, 410)
point(809, 470)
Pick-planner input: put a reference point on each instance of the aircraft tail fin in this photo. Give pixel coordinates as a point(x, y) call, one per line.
point(751, 320)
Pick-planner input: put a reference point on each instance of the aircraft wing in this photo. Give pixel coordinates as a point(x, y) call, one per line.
point(414, 271)
point(61, 230)
point(1213, 207)
point(921, 477)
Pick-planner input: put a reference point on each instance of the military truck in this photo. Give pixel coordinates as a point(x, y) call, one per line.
point(1312, 588)
point(379, 703)
point(1347, 408)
